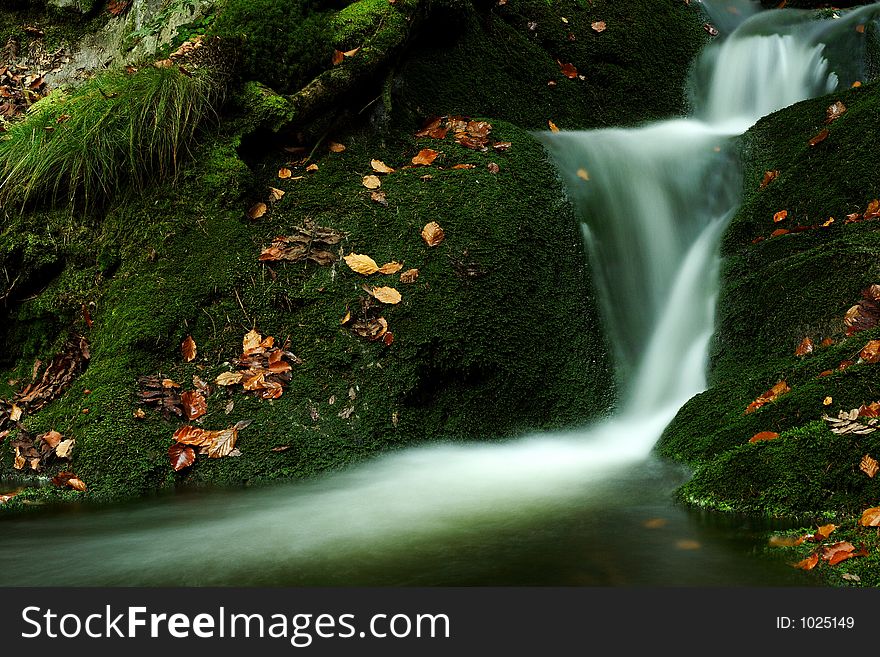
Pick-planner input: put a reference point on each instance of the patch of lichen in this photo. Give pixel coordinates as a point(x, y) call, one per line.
point(776, 292)
point(464, 362)
point(498, 62)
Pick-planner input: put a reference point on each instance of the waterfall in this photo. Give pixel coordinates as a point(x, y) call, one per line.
point(654, 201)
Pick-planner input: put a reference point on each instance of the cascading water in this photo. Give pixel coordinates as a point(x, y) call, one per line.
point(655, 203)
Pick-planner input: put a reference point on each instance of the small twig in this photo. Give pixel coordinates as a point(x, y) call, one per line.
point(246, 316)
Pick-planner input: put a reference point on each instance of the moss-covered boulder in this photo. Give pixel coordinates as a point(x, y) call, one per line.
point(776, 291)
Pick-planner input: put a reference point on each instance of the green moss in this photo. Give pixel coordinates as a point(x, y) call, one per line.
point(775, 293)
point(493, 63)
point(471, 357)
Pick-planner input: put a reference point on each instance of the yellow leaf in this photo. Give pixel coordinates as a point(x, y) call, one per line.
point(433, 234)
point(284, 173)
point(583, 174)
point(827, 401)
point(870, 517)
point(15, 413)
point(553, 127)
point(409, 276)
point(228, 379)
point(372, 182)
point(386, 295)
point(390, 268)
point(312, 168)
point(380, 167)
point(275, 194)
point(257, 210)
point(362, 264)
point(251, 341)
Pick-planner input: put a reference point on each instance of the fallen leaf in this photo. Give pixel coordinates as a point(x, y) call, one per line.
point(345, 318)
point(409, 276)
point(181, 456)
point(770, 395)
point(870, 410)
point(710, 29)
point(850, 577)
point(362, 264)
point(827, 401)
point(870, 353)
point(425, 157)
point(390, 268)
point(598, 26)
point(785, 541)
point(15, 413)
point(228, 378)
point(312, 168)
point(779, 232)
point(337, 58)
point(69, 480)
point(433, 234)
point(284, 173)
point(371, 182)
point(780, 216)
point(434, 129)
point(655, 523)
point(769, 177)
point(281, 448)
point(64, 448)
point(840, 551)
point(869, 465)
point(860, 28)
point(763, 435)
point(251, 341)
point(463, 166)
point(807, 564)
point(553, 127)
point(380, 167)
point(493, 167)
point(222, 443)
point(870, 517)
point(501, 146)
point(336, 147)
point(194, 404)
point(385, 294)
point(352, 52)
point(379, 197)
point(827, 222)
point(582, 174)
point(827, 342)
point(188, 349)
point(388, 338)
point(257, 210)
point(804, 348)
point(818, 139)
point(371, 329)
point(139, 414)
point(568, 70)
point(834, 111)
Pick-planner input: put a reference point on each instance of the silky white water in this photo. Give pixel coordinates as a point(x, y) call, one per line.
point(656, 202)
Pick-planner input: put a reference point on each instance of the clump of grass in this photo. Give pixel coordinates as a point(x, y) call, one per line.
point(116, 131)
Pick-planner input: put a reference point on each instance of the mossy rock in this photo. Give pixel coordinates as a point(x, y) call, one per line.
point(775, 292)
point(499, 334)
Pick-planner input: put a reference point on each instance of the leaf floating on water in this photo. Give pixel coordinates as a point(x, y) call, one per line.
point(362, 264)
point(655, 523)
point(188, 349)
point(834, 111)
point(687, 544)
point(869, 465)
point(818, 139)
point(583, 174)
point(785, 541)
point(181, 456)
point(763, 435)
point(804, 348)
point(433, 234)
point(769, 177)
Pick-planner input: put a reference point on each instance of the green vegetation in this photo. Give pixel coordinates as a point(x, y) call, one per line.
point(115, 131)
point(775, 293)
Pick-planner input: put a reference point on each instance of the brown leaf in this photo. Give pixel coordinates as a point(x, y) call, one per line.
point(284, 173)
point(870, 410)
point(501, 146)
point(337, 58)
point(870, 353)
point(837, 552)
point(362, 264)
point(433, 234)
point(818, 139)
point(770, 395)
point(463, 166)
point(390, 268)
point(188, 349)
point(869, 465)
point(409, 276)
point(780, 216)
point(371, 329)
point(870, 517)
point(779, 231)
point(553, 127)
point(312, 168)
point(434, 129)
point(804, 348)
point(769, 177)
point(189, 435)
point(493, 167)
point(598, 26)
point(194, 404)
point(388, 338)
point(222, 443)
point(763, 435)
point(336, 147)
point(257, 210)
point(69, 480)
point(371, 182)
point(51, 438)
point(425, 157)
point(568, 70)
point(807, 564)
point(379, 197)
point(181, 456)
point(834, 111)
point(380, 167)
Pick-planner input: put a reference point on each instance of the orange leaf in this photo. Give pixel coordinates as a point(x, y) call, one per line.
point(785, 541)
point(188, 349)
point(257, 210)
point(598, 26)
point(870, 353)
point(194, 404)
point(568, 70)
point(763, 435)
point(553, 127)
point(818, 139)
point(804, 348)
point(779, 216)
point(390, 268)
point(251, 341)
point(770, 395)
point(869, 465)
point(337, 58)
point(388, 338)
point(284, 173)
point(769, 177)
point(425, 157)
point(312, 168)
point(583, 174)
point(385, 294)
point(827, 342)
point(870, 517)
point(433, 234)
point(809, 563)
point(837, 552)
point(779, 231)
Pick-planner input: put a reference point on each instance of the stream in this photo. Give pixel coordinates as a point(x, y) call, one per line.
point(585, 507)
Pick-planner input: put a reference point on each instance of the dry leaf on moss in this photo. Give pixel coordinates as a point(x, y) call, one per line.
point(362, 264)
